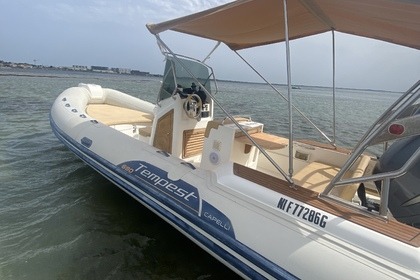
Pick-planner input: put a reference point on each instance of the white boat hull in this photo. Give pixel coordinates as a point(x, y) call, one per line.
point(257, 232)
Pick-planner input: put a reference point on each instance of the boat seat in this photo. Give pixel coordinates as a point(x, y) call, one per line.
point(145, 131)
point(265, 140)
point(114, 115)
point(323, 146)
point(227, 122)
point(317, 175)
point(348, 192)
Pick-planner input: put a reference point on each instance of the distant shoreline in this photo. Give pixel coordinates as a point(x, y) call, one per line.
point(29, 72)
point(31, 75)
point(56, 72)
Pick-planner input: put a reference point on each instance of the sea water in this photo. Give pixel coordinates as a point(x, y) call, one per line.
point(59, 219)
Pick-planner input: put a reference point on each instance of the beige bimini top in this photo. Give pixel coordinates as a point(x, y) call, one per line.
point(249, 23)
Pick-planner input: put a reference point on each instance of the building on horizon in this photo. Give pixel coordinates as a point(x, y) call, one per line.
point(140, 73)
point(121, 70)
point(99, 68)
point(102, 69)
point(80, 68)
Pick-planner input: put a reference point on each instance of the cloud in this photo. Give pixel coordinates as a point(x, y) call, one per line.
point(125, 12)
point(89, 12)
point(113, 33)
point(164, 10)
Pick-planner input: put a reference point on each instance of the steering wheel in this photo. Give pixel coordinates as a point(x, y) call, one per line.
point(193, 106)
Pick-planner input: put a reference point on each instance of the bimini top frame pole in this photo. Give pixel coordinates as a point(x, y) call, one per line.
point(333, 87)
point(211, 52)
point(289, 87)
point(390, 115)
point(285, 98)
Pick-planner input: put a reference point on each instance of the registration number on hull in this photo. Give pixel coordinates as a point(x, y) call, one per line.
point(301, 211)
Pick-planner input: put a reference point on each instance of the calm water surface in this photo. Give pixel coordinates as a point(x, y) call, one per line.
point(61, 220)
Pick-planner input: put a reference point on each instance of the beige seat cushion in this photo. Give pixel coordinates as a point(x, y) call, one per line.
point(113, 115)
point(315, 176)
point(265, 140)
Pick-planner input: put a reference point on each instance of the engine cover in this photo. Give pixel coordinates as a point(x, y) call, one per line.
point(404, 193)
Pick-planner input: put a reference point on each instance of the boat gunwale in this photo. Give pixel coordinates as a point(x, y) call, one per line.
point(389, 227)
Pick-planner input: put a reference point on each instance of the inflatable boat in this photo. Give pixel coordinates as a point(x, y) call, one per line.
point(267, 206)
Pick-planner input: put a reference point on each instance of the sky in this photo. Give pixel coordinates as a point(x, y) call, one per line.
point(112, 33)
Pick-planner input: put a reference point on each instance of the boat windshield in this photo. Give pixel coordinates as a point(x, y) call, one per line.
point(184, 75)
